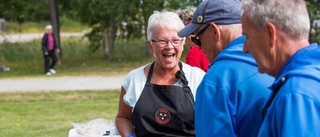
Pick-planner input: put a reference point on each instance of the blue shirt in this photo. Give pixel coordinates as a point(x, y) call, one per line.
point(231, 96)
point(295, 110)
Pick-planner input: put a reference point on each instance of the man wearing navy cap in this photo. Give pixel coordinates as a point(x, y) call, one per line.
point(232, 95)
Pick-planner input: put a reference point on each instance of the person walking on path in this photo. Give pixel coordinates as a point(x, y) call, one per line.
point(49, 48)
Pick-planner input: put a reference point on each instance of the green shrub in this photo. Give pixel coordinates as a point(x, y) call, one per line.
point(315, 38)
point(130, 50)
point(28, 27)
point(66, 25)
point(26, 59)
point(16, 52)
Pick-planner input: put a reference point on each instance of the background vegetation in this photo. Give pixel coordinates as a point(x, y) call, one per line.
point(114, 45)
point(109, 21)
point(26, 59)
point(38, 27)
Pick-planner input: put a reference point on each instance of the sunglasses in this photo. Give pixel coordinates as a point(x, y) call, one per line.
point(195, 38)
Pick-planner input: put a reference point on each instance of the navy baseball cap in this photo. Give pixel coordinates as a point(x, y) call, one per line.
point(220, 12)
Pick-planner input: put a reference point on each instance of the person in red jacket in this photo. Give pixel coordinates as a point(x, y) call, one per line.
point(195, 56)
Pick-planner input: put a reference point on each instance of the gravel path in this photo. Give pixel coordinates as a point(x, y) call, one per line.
point(60, 83)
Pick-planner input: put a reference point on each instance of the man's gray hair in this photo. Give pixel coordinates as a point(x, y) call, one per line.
point(290, 16)
point(231, 28)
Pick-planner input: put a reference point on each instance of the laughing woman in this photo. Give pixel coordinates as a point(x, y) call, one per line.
point(157, 99)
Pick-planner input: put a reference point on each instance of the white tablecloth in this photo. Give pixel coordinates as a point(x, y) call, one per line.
point(73, 133)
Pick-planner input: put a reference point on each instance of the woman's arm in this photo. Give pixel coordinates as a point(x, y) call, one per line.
point(123, 118)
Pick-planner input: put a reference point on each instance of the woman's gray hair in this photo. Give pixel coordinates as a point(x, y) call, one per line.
point(186, 15)
point(164, 19)
point(290, 16)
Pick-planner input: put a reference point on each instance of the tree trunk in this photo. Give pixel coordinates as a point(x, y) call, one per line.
point(145, 19)
point(56, 27)
point(109, 37)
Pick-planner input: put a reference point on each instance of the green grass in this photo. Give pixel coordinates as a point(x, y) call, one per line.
point(26, 59)
point(84, 68)
point(48, 114)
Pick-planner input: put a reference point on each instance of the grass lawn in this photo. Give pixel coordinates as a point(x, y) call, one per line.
point(48, 114)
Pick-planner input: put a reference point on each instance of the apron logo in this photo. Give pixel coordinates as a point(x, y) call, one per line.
point(163, 116)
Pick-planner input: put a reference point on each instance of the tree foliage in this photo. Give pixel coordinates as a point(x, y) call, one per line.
point(21, 10)
point(120, 19)
point(314, 13)
point(111, 20)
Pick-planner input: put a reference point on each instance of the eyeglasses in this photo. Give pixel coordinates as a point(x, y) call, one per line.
point(195, 39)
point(163, 43)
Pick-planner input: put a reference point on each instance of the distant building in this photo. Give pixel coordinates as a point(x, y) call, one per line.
point(2, 22)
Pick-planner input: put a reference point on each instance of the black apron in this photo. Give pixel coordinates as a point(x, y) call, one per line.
point(164, 110)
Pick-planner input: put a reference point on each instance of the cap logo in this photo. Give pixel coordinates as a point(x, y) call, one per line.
point(200, 19)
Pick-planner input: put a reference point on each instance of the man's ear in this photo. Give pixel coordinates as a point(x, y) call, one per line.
point(271, 30)
point(216, 30)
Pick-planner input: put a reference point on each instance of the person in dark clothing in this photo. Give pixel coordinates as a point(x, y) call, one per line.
point(49, 48)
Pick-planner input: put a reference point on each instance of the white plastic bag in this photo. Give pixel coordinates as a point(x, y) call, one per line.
point(96, 128)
